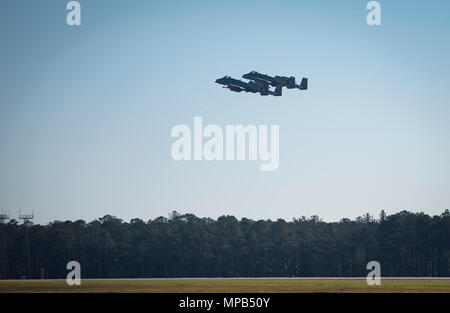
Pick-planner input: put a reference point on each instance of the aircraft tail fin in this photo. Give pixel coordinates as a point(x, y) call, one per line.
point(291, 82)
point(304, 84)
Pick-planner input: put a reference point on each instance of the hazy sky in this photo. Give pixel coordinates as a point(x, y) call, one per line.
point(86, 112)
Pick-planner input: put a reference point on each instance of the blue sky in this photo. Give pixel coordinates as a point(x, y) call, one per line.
point(86, 112)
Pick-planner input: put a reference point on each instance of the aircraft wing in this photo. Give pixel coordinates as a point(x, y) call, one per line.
point(234, 88)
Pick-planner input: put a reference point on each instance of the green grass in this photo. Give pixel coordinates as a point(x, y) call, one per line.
point(227, 286)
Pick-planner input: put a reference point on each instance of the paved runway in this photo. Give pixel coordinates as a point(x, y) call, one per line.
point(279, 278)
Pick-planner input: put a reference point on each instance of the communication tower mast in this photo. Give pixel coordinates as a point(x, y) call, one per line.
point(26, 263)
point(3, 251)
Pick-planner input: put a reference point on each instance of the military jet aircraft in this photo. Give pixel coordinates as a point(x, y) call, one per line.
point(284, 81)
point(237, 85)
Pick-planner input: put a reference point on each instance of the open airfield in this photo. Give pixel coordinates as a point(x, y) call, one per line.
point(231, 285)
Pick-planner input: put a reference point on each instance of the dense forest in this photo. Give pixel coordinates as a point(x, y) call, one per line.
point(183, 245)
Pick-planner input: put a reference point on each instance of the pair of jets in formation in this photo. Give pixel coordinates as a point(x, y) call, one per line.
point(261, 83)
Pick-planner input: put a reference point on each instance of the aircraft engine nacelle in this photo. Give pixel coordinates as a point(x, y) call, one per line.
point(254, 87)
point(263, 89)
point(281, 80)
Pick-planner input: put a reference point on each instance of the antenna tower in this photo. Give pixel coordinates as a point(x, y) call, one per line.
point(26, 264)
point(3, 251)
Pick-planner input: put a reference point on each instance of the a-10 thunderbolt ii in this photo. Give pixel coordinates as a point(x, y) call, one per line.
point(288, 82)
point(260, 83)
point(237, 85)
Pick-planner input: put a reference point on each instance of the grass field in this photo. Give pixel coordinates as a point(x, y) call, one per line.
point(227, 285)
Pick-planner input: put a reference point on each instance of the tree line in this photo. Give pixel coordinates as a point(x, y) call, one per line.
point(183, 245)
